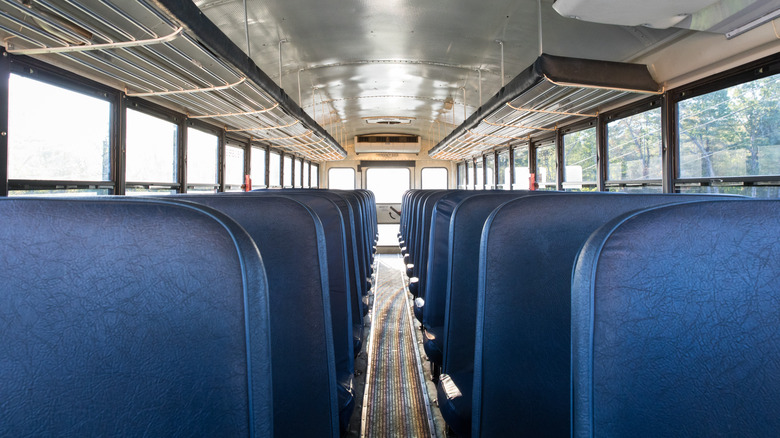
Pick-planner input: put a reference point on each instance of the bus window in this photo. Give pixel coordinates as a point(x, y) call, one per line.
point(461, 175)
point(490, 169)
point(274, 170)
point(202, 159)
point(579, 155)
point(522, 174)
point(434, 178)
point(388, 185)
point(47, 136)
point(298, 182)
point(341, 178)
point(258, 168)
point(151, 153)
point(234, 168)
point(287, 171)
point(470, 175)
point(731, 132)
point(306, 168)
point(315, 176)
point(546, 167)
point(479, 172)
point(634, 146)
point(502, 167)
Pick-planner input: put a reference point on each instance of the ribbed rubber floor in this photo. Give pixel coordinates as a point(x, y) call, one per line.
point(395, 405)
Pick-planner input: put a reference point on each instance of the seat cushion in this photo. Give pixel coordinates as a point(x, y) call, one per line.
point(456, 410)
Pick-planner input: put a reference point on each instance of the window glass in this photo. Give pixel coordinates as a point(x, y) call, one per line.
point(480, 174)
point(461, 175)
point(202, 157)
point(521, 168)
point(274, 170)
point(151, 148)
point(234, 168)
point(434, 178)
point(341, 178)
point(258, 168)
point(388, 184)
point(634, 147)
point(47, 136)
point(490, 169)
point(470, 175)
point(315, 175)
point(546, 167)
point(287, 171)
point(503, 170)
point(298, 173)
point(766, 192)
point(636, 189)
point(142, 190)
point(731, 132)
point(306, 167)
point(61, 192)
point(579, 154)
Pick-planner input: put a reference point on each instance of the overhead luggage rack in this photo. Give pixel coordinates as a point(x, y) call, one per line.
point(552, 90)
point(167, 52)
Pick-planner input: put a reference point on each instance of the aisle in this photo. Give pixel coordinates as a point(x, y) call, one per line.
point(395, 401)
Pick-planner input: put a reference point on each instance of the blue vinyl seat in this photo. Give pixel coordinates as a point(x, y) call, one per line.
point(523, 327)
point(676, 323)
point(450, 314)
point(302, 343)
point(128, 317)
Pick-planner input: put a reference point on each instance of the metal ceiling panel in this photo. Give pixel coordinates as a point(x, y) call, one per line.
point(400, 58)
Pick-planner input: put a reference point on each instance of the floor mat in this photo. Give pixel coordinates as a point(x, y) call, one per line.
point(395, 403)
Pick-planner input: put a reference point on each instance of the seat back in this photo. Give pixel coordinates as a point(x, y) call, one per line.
point(292, 243)
point(523, 330)
point(438, 257)
point(131, 317)
point(676, 323)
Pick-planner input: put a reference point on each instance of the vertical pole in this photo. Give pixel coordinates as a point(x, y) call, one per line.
point(464, 103)
point(501, 43)
point(669, 147)
point(281, 41)
point(248, 164)
point(300, 101)
point(601, 153)
point(267, 167)
point(541, 39)
point(479, 72)
point(183, 130)
point(5, 74)
point(511, 168)
point(246, 28)
point(222, 153)
point(559, 159)
point(119, 145)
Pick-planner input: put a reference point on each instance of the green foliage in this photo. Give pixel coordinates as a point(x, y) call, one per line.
point(731, 132)
point(635, 145)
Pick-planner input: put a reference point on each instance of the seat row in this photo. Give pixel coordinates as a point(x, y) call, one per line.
point(229, 314)
point(551, 315)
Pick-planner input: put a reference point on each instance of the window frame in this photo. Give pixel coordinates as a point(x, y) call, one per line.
point(760, 69)
point(650, 104)
point(446, 176)
point(573, 129)
point(40, 71)
point(354, 176)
